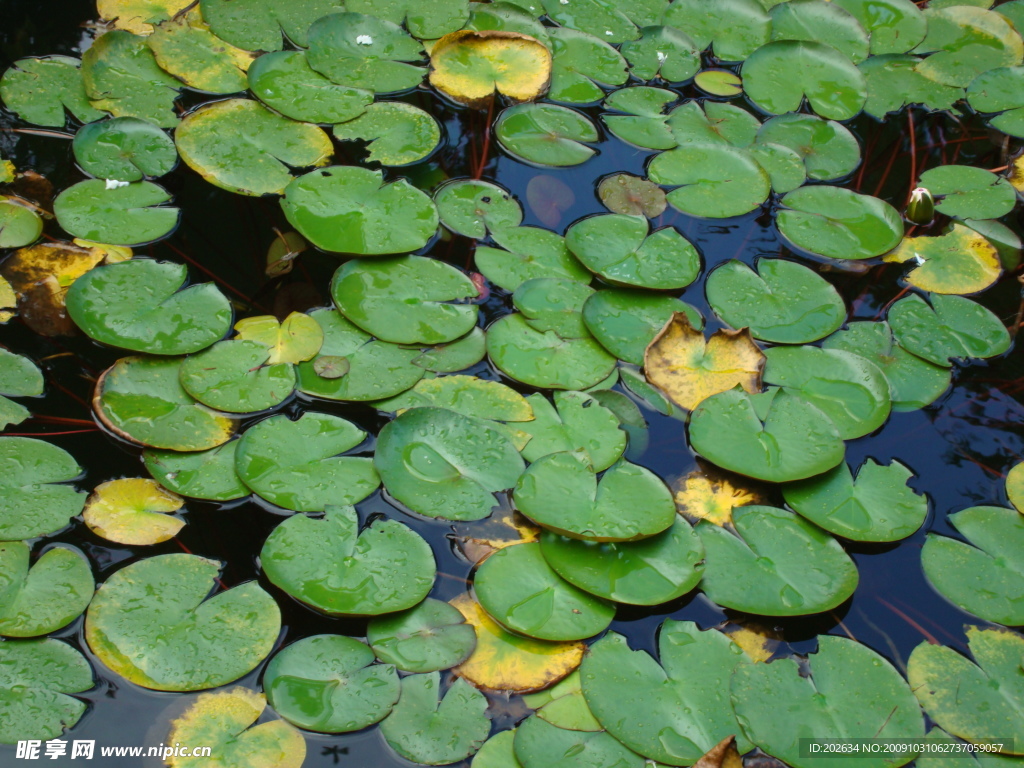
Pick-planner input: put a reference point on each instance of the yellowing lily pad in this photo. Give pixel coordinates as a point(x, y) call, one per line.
point(133, 511)
point(295, 339)
point(470, 66)
point(710, 494)
point(960, 261)
point(138, 16)
point(1015, 486)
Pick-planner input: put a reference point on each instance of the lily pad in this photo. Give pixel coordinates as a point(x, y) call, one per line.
point(651, 571)
point(20, 225)
point(346, 209)
point(329, 683)
point(19, 377)
point(823, 22)
point(151, 622)
point(581, 424)
point(997, 90)
point(226, 722)
point(960, 261)
point(713, 123)
point(426, 638)
point(46, 597)
point(134, 511)
point(295, 339)
point(951, 328)
point(33, 504)
point(644, 122)
point(690, 368)
point(124, 149)
point(618, 248)
point(623, 193)
point(473, 208)
point(733, 28)
point(454, 356)
point(138, 16)
point(839, 223)
point(121, 76)
point(39, 90)
point(141, 399)
point(285, 82)
point(895, 26)
point(208, 474)
point(776, 564)
point(120, 215)
point(849, 689)
point(546, 134)
point(893, 81)
point(431, 729)
point(664, 52)
point(970, 193)
point(539, 744)
point(783, 302)
point(140, 305)
point(36, 680)
point(776, 436)
point(553, 304)
point(986, 579)
point(530, 252)
point(517, 587)
point(711, 180)
point(973, 700)
point(399, 133)
point(913, 382)
point(964, 42)
point(241, 146)
point(468, 395)
point(719, 82)
point(470, 66)
point(828, 149)
point(236, 376)
point(779, 76)
point(625, 321)
point(440, 463)
point(259, 24)
point(670, 712)
point(185, 47)
point(877, 506)
point(562, 493)
point(581, 65)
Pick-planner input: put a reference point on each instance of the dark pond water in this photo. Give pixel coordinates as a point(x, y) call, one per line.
point(959, 448)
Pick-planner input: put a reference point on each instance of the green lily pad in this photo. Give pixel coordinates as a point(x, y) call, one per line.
point(19, 224)
point(827, 148)
point(36, 678)
point(651, 571)
point(399, 133)
point(969, 192)
point(285, 82)
point(185, 47)
point(339, 570)
point(426, 638)
point(895, 26)
point(118, 215)
point(405, 300)
point(893, 81)
point(582, 63)
point(998, 90)
point(241, 146)
point(260, 24)
point(877, 506)
point(208, 474)
point(784, 166)
point(509, 16)
point(664, 52)
point(849, 689)
point(296, 464)
point(141, 399)
point(625, 321)
point(329, 683)
point(124, 149)
point(473, 208)
point(425, 20)
point(964, 42)
point(562, 493)
point(235, 376)
point(973, 700)
point(986, 579)
point(544, 359)
point(951, 328)
point(431, 729)
point(46, 597)
point(776, 437)
point(520, 591)
point(624, 193)
point(346, 209)
point(644, 122)
point(364, 51)
point(33, 504)
point(776, 564)
point(839, 223)
point(140, 305)
point(121, 76)
point(440, 463)
point(19, 377)
point(849, 389)
point(913, 383)
point(529, 252)
point(713, 181)
point(581, 424)
point(540, 744)
point(600, 18)
point(671, 712)
point(778, 76)
point(783, 302)
point(823, 22)
point(497, 752)
point(618, 248)
point(467, 395)
point(376, 369)
point(39, 90)
point(151, 622)
point(553, 304)
point(733, 28)
point(456, 355)
point(546, 134)
point(719, 82)
point(713, 123)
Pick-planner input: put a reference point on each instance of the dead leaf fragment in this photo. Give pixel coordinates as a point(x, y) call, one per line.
point(758, 641)
point(709, 494)
point(722, 755)
point(500, 530)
